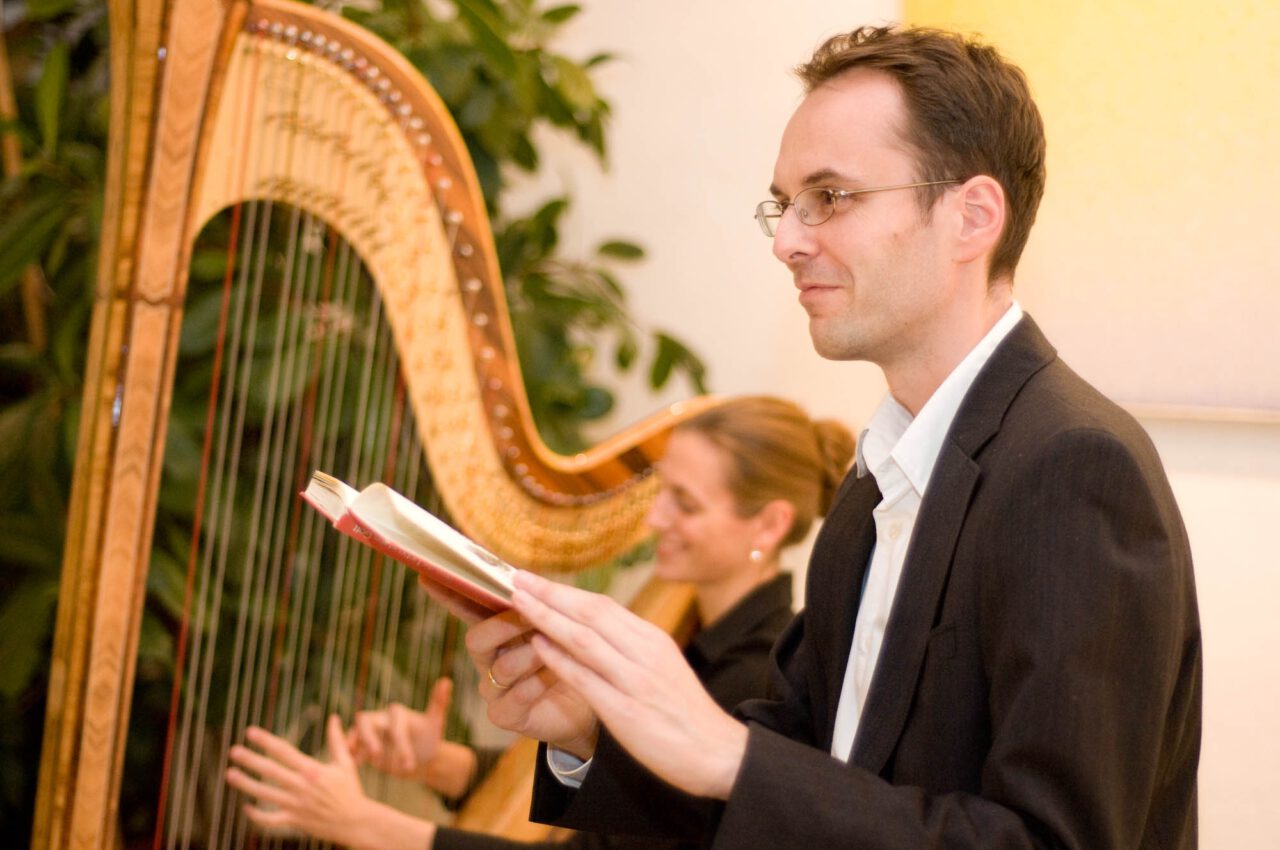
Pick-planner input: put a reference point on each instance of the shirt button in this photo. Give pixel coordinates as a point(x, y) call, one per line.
point(895, 530)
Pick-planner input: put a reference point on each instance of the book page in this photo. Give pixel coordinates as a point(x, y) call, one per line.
point(396, 516)
point(329, 495)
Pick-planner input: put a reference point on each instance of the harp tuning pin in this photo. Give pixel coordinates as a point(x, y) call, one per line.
point(465, 250)
point(500, 411)
point(481, 319)
point(162, 52)
point(473, 284)
point(520, 469)
point(495, 384)
point(453, 217)
point(487, 353)
point(444, 184)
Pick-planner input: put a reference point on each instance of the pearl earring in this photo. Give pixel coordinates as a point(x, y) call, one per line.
point(756, 556)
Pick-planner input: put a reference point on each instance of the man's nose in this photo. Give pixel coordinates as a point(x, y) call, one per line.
point(793, 240)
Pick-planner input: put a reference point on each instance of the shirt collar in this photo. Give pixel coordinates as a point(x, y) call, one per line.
point(913, 444)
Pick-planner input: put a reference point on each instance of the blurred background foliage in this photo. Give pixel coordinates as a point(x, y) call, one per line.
point(492, 62)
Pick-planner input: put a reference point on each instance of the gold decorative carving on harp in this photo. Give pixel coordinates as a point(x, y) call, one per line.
point(376, 343)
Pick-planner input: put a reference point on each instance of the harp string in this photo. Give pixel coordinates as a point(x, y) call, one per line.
point(288, 622)
point(184, 632)
point(213, 564)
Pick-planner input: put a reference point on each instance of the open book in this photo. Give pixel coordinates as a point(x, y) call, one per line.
point(380, 517)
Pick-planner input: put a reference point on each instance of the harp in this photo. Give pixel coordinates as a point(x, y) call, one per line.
point(377, 344)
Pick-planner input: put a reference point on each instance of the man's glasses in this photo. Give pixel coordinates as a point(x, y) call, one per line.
point(816, 204)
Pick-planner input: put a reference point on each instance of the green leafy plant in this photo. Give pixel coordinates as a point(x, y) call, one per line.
point(492, 64)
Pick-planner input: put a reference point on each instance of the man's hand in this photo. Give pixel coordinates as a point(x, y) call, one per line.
point(465, 609)
point(325, 800)
point(634, 678)
point(522, 694)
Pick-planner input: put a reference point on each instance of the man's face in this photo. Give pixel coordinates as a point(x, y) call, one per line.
point(872, 275)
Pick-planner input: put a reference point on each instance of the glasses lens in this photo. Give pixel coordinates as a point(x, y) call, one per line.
point(767, 215)
point(815, 205)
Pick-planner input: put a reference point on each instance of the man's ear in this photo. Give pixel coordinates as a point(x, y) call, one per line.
point(982, 209)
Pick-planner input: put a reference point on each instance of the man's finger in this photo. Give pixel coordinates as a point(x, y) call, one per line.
point(488, 637)
point(581, 641)
point(513, 665)
point(511, 709)
point(623, 629)
point(597, 690)
point(465, 609)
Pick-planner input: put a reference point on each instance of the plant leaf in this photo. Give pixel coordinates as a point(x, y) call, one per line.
point(573, 84)
point(559, 14)
point(484, 25)
point(26, 232)
point(620, 250)
point(51, 91)
point(25, 621)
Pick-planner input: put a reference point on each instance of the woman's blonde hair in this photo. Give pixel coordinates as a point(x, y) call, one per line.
point(775, 451)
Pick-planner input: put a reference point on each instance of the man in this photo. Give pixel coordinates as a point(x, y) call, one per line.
point(1001, 646)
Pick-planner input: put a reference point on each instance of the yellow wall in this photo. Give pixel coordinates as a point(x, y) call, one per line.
point(1155, 262)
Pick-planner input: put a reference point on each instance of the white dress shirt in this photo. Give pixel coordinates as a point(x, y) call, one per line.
point(900, 452)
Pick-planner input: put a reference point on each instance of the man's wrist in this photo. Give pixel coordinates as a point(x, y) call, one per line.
point(724, 760)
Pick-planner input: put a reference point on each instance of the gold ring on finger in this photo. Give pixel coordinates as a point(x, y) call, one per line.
point(495, 682)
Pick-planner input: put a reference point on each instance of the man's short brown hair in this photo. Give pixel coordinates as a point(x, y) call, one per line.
point(969, 112)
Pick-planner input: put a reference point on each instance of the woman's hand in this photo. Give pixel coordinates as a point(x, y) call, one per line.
point(296, 793)
point(405, 742)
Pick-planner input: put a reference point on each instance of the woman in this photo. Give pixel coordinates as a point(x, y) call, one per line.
point(739, 483)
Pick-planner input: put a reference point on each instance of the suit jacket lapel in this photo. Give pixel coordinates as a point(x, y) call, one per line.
point(942, 513)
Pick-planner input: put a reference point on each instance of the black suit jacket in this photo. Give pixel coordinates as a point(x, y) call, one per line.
point(1039, 680)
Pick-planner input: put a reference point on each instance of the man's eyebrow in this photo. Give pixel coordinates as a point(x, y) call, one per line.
point(817, 178)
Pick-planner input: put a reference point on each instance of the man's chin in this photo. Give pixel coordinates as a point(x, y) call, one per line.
point(827, 346)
